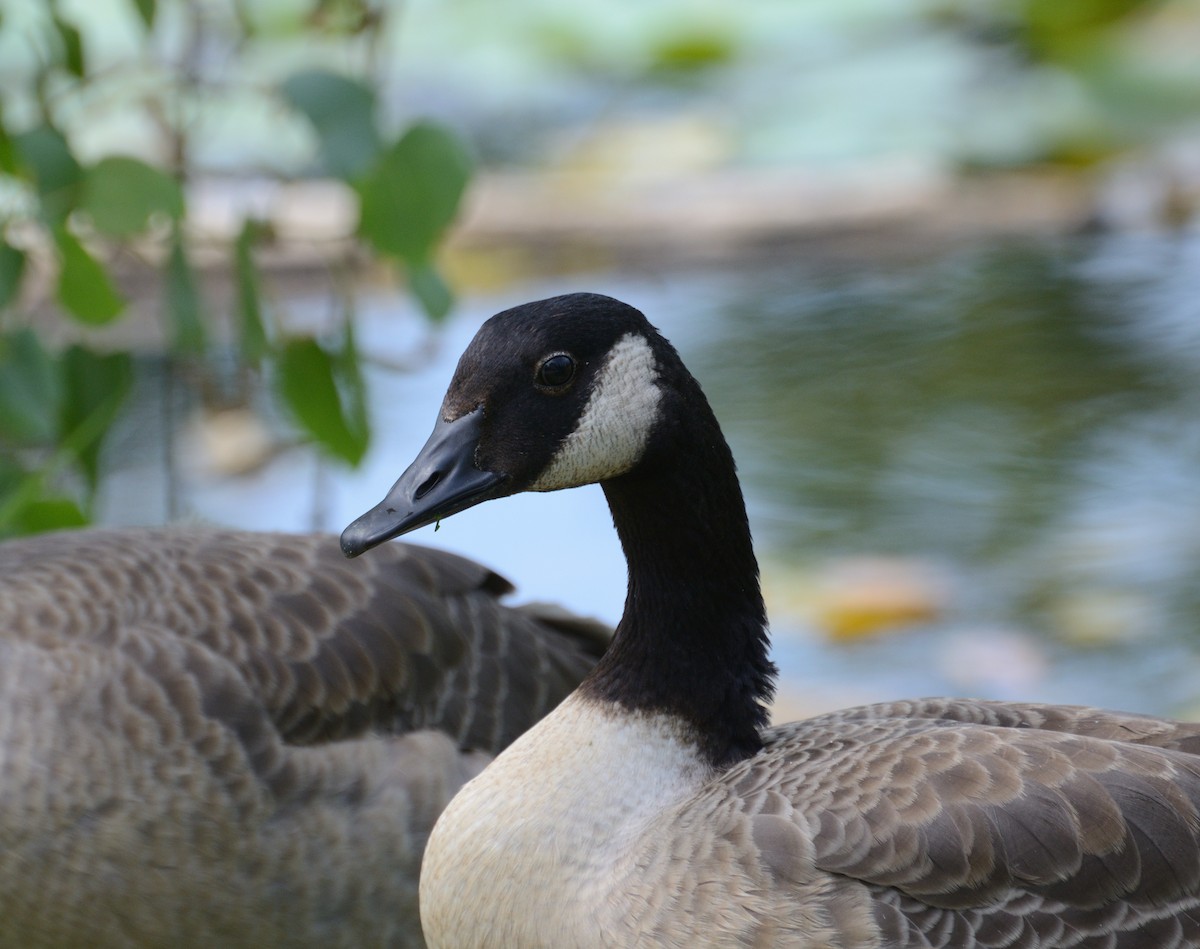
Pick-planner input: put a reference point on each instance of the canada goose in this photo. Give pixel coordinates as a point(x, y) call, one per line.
point(655, 808)
point(204, 733)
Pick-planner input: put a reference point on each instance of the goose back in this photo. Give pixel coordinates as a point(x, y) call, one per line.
point(217, 737)
point(962, 823)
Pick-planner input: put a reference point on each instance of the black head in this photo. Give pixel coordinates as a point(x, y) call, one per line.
point(548, 395)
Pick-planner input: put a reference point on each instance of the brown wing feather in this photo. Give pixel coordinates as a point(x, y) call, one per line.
point(992, 825)
point(405, 639)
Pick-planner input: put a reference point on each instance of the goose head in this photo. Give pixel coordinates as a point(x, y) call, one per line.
point(580, 389)
point(553, 394)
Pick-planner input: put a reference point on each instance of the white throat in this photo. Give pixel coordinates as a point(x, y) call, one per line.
point(616, 422)
point(550, 824)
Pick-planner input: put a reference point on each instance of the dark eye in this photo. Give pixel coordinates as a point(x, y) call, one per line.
point(556, 371)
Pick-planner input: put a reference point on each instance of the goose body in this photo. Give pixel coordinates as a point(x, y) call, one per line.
point(221, 738)
point(655, 807)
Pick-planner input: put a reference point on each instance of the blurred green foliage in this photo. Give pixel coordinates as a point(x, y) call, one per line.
point(1056, 29)
point(1114, 63)
point(55, 409)
point(960, 84)
point(70, 213)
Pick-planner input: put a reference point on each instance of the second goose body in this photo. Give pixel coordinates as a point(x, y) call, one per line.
point(216, 738)
point(655, 807)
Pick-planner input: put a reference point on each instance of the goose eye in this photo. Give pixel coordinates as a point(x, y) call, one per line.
point(556, 371)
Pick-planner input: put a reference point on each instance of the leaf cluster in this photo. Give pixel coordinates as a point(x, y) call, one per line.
point(69, 218)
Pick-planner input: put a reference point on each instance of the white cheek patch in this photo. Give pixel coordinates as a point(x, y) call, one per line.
point(616, 421)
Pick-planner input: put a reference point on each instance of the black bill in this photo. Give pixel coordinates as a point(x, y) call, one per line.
point(443, 480)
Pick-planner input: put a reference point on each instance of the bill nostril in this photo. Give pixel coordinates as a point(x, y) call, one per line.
point(428, 485)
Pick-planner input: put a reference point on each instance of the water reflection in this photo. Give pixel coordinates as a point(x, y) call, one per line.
point(1028, 413)
point(946, 408)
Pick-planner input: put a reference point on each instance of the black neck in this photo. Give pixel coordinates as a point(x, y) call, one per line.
point(692, 641)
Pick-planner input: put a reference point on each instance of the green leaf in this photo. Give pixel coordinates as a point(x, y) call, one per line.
point(693, 48)
point(30, 392)
point(122, 194)
point(146, 10)
point(12, 266)
point(72, 46)
point(252, 334)
point(84, 288)
point(411, 194)
point(46, 159)
point(347, 370)
point(95, 386)
point(183, 301)
point(342, 111)
point(52, 513)
point(9, 162)
point(27, 506)
point(431, 291)
point(308, 388)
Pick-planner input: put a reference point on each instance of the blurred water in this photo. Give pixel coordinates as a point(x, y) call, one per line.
point(1022, 420)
